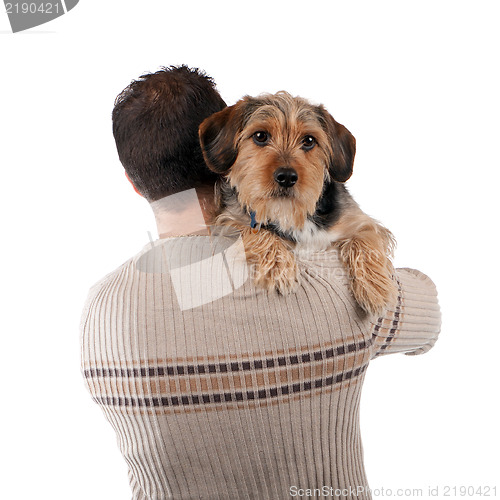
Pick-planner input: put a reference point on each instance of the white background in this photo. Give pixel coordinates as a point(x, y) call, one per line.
point(416, 82)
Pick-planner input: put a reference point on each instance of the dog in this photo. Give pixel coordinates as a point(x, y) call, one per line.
point(283, 162)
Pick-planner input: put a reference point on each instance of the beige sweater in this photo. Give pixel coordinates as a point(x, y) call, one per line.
point(219, 390)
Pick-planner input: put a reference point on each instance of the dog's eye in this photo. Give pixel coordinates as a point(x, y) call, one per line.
point(261, 138)
point(308, 142)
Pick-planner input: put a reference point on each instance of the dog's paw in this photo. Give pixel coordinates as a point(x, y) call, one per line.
point(284, 278)
point(276, 269)
point(272, 261)
point(367, 259)
point(374, 293)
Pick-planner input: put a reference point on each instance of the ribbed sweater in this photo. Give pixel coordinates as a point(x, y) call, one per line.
point(217, 389)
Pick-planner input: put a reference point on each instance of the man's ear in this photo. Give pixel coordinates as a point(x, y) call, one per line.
point(133, 185)
point(343, 146)
point(218, 135)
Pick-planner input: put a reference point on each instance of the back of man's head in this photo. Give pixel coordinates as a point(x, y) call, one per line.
point(155, 125)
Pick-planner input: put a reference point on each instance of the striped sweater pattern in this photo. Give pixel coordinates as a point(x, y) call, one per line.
point(220, 390)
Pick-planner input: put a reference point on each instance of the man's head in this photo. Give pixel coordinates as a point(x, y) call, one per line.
point(155, 125)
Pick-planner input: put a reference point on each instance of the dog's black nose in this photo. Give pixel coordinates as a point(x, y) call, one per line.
point(285, 177)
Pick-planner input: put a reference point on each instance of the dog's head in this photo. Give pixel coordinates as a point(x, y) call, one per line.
point(278, 151)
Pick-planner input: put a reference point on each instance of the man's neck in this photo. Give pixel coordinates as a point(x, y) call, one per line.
point(184, 213)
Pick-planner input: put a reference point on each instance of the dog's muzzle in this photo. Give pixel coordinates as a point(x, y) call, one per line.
point(286, 177)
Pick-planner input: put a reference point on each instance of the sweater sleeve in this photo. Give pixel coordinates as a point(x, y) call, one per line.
point(413, 324)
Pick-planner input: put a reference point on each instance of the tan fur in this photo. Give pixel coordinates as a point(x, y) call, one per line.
point(365, 246)
point(273, 262)
point(271, 259)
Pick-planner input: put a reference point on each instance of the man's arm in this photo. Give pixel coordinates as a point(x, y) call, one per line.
point(413, 324)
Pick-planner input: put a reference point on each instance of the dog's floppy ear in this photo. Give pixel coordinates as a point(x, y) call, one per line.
point(343, 146)
point(218, 134)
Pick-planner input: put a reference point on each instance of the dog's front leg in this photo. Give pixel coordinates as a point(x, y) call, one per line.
point(366, 253)
point(272, 261)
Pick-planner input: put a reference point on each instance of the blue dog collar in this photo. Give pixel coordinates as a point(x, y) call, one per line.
point(254, 225)
point(253, 220)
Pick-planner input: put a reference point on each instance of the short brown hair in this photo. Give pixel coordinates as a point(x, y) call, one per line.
point(155, 126)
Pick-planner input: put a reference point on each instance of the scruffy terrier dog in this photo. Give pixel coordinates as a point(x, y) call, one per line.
point(283, 162)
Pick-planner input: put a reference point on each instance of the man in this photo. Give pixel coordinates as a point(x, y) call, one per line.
point(155, 125)
point(217, 389)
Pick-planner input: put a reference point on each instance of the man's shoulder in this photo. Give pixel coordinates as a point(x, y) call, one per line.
point(108, 278)
point(98, 289)
point(129, 264)
point(111, 279)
